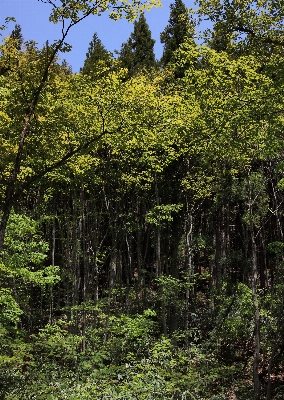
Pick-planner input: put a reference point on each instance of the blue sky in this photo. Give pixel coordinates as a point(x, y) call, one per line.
point(33, 15)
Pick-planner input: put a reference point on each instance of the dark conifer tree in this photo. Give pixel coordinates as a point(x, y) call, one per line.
point(17, 35)
point(96, 53)
point(143, 45)
point(178, 30)
point(138, 52)
point(126, 56)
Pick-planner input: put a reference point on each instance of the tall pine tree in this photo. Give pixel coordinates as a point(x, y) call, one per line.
point(178, 30)
point(96, 54)
point(138, 52)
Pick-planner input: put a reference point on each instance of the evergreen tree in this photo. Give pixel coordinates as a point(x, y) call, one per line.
point(143, 45)
point(126, 56)
point(17, 35)
point(138, 52)
point(179, 29)
point(96, 53)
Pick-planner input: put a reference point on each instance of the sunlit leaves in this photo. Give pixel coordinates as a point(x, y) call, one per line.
point(162, 213)
point(9, 309)
point(256, 27)
point(22, 266)
point(237, 103)
point(74, 10)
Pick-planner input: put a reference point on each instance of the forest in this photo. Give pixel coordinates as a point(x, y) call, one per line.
point(141, 207)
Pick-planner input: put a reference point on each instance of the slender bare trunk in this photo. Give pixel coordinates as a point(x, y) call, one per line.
point(256, 380)
point(53, 264)
point(188, 236)
point(256, 320)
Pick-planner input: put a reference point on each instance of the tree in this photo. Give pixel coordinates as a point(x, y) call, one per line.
point(221, 38)
point(68, 14)
point(126, 57)
point(179, 29)
point(143, 45)
point(255, 27)
point(96, 55)
point(254, 121)
point(22, 267)
point(138, 52)
point(17, 35)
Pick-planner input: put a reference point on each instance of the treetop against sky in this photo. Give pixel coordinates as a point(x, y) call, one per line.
point(33, 17)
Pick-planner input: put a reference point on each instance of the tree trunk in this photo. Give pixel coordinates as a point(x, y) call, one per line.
point(256, 380)
point(256, 320)
point(188, 266)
